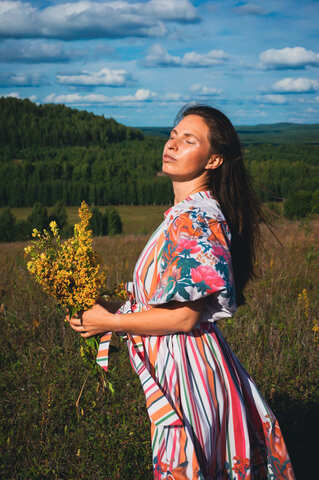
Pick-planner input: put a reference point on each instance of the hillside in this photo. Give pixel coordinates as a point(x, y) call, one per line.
point(24, 124)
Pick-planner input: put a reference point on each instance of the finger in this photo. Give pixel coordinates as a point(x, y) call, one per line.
point(88, 334)
point(75, 322)
point(77, 327)
point(80, 316)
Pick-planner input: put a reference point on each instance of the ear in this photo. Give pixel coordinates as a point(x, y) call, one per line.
point(214, 161)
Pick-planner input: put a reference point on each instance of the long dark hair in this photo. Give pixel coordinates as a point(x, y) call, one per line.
point(231, 186)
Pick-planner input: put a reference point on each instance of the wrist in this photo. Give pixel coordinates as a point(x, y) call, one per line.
point(117, 322)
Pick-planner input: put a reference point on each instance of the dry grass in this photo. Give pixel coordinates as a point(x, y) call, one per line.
point(44, 436)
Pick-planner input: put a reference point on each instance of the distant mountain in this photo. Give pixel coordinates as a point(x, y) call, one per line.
point(277, 133)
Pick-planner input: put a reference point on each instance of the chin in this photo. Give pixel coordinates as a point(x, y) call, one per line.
point(166, 170)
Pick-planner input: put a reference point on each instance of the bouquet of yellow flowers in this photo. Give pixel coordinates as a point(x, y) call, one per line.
point(68, 270)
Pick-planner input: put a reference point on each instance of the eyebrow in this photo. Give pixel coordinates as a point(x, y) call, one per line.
point(186, 134)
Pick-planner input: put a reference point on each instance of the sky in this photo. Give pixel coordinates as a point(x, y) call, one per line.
point(140, 61)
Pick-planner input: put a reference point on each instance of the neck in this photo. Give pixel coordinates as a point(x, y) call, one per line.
point(183, 189)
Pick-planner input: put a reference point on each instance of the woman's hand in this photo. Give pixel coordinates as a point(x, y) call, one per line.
point(160, 320)
point(94, 321)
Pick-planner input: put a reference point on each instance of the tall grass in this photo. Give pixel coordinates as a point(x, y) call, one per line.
point(44, 435)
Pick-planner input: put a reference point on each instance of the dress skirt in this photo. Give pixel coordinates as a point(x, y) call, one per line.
point(208, 420)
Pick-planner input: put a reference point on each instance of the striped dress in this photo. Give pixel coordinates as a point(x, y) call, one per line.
point(208, 420)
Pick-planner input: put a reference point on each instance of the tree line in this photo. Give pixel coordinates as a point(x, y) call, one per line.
point(107, 222)
point(102, 165)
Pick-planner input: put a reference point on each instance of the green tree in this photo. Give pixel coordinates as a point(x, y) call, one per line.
point(315, 202)
point(96, 222)
point(39, 217)
point(7, 226)
point(59, 215)
point(298, 204)
point(105, 223)
point(23, 230)
point(115, 222)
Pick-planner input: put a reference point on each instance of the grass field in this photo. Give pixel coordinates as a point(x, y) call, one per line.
point(136, 220)
point(44, 435)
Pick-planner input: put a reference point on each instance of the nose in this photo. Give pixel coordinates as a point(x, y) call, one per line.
point(171, 144)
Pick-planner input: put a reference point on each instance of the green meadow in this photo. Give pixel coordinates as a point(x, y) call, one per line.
point(136, 220)
point(61, 419)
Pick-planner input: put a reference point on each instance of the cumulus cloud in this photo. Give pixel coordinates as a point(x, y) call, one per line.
point(92, 19)
point(173, 96)
point(292, 58)
point(141, 95)
point(203, 90)
point(171, 10)
point(274, 99)
point(11, 94)
point(159, 56)
point(296, 85)
point(21, 79)
point(107, 77)
point(35, 51)
point(251, 9)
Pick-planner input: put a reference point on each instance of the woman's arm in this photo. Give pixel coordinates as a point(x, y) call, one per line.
point(159, 320)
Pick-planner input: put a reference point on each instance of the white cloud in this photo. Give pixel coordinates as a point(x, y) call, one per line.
point(173, 96)
point(107, 77)
point(274, 99)
point(21, 79)
point(172, 10)
point(33, 51)
point(141, 95)
point(92, 19)
point(159, 56)
point(295, 85)
point(204, 90)
point(251, 9)
point(293, 58)
point(11, 94)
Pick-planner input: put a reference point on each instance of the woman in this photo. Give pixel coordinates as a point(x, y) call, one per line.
point(208, 420)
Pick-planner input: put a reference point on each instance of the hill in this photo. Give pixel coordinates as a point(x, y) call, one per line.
point(24, 124)
point(277, 133)
point(51, 152)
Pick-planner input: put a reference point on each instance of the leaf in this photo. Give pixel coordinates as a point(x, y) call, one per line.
point(186, 264)
point(111, 388)
point(202, 287)
point(181, 291)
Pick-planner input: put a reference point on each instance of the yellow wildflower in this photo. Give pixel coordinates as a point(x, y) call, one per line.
point(304, 302)
point(68, 271)
point(315, 327)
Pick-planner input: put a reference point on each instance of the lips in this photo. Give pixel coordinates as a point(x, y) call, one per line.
point(168, 158)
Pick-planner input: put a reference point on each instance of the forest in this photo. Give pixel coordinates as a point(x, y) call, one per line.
point(51, 153)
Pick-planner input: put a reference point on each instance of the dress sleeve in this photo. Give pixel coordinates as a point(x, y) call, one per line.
point(195, 260)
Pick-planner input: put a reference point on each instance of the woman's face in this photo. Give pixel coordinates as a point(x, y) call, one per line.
point(187, 152)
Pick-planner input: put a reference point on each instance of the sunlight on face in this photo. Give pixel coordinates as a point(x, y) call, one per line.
point(188, 150)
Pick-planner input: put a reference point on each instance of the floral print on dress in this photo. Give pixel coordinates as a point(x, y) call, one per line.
point(195, 260)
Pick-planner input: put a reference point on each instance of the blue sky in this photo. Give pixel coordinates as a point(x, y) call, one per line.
point(139, 61)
